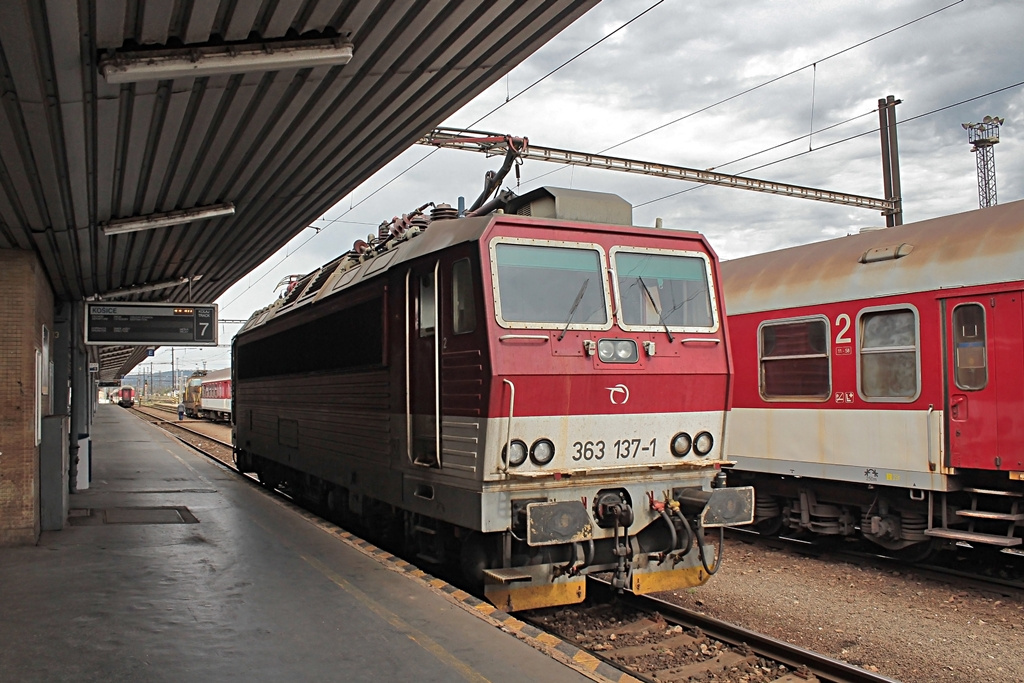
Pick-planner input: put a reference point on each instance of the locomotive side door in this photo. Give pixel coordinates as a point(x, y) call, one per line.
point(985, 381)
point(421, 369)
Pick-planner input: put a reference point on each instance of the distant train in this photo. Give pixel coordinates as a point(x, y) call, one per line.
point(528, 397)
point(126, 397)
point(207, 395)
point(192, 393)
point(215, 396)
point(880, 383)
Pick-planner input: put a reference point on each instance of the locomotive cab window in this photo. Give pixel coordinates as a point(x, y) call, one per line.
point(463, 303)
point(969, 348)
point(660, 288)
point(794, 360)
point(548, 285)
point(889, 356)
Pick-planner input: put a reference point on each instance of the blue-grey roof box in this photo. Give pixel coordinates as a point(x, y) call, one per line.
point(573, 205)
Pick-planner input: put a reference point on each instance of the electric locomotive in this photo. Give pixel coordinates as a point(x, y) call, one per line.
point(880, 383)
point(530, 395)
point(192, 393)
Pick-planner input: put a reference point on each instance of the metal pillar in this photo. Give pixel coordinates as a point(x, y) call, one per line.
point(890, 159)
point(82, 398)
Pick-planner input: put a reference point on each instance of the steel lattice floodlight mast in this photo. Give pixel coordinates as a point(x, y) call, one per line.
point(983, 137)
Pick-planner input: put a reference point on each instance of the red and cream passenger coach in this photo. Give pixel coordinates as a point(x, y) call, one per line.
point(532, 397)
point(880, 382)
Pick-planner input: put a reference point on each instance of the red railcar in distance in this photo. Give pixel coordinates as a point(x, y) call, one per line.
point(215, 396)
point(126, 397)
point(528, 397)
point(880, 382)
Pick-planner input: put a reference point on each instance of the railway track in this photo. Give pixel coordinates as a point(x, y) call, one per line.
point(648, 639)
point(201, 441)
point(656, 641)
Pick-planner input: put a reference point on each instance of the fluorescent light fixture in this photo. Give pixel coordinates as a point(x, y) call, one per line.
point(147, 65)
point(162, 220)
point(128, 291)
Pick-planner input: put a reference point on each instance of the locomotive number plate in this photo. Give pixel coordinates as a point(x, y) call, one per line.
point(622, 449)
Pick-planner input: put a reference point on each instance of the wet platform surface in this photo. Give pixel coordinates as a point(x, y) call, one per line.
point(175, 569)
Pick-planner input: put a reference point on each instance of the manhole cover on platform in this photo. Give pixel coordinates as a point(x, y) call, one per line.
point(140, 515)
point(154, 515)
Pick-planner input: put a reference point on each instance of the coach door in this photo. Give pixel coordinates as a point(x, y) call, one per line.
point(985, 381)
point(421, 370)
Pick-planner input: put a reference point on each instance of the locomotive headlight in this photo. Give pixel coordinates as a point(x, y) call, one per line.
point(617, 351)
point(518, 453)
point(542, 452)
point(681, 444)
point(703, 443)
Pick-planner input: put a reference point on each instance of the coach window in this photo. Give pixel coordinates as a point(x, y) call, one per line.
point(794, 360)
point(463, 303)
point(426, 309)
point(970, 356)
point(889, 355)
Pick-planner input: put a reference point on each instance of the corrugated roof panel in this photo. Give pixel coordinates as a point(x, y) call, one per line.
point(283, 146)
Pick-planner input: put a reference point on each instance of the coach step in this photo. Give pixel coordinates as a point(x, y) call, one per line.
point(986, 514)
point(974, 537)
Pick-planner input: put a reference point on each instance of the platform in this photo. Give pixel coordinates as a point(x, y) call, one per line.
point(176, 569)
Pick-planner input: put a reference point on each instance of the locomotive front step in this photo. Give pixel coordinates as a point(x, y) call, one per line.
point(507, 575)
point(974, 537)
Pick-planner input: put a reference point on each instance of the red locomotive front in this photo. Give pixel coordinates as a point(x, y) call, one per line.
point(534, 397)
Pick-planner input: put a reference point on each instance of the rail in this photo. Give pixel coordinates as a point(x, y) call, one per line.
point(825, 668)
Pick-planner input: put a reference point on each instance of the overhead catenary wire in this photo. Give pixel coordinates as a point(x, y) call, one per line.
point(833, 143)
point(426, 156)
point(608, 35)
point(780, 77)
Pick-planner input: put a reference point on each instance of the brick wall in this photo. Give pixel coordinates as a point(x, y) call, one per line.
point(26, 304)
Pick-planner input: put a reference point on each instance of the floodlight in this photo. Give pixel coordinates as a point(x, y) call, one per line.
point(147, 65)
point(162, 220)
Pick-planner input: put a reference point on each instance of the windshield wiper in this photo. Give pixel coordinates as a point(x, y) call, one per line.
point(579, 298)
point(657, 310)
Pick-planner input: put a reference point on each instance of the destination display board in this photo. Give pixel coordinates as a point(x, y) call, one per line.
point(156, 324)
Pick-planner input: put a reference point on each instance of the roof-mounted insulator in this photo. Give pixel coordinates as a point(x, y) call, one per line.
point(444, 212)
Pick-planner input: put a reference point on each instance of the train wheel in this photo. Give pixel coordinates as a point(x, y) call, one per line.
point(268, 479)
point(919, 552)
point(474, 558)
point(770, 526)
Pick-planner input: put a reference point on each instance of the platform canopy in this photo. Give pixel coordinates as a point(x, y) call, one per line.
point(157, 150)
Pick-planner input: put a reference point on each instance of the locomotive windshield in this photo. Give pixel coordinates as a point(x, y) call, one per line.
point(663, 289)
point(550, 285)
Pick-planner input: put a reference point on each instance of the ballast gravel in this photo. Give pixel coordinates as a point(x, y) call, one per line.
point(896, 622)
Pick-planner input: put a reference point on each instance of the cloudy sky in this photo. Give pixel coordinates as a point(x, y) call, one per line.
point(744, 87)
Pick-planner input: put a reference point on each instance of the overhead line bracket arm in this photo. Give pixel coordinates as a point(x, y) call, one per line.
point(494, 143)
